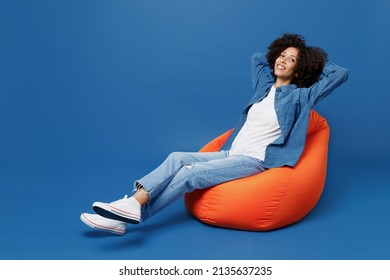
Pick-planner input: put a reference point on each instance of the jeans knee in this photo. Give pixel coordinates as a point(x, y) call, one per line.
point(176, 156)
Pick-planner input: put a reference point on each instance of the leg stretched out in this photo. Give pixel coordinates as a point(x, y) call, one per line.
point(178, 174)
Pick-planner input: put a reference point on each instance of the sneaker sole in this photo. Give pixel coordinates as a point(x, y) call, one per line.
point(109, 212)
point(93, 225)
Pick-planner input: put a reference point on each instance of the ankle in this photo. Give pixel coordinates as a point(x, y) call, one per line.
point(141, 196)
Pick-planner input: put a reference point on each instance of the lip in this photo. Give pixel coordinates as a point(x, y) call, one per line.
point(280, 66)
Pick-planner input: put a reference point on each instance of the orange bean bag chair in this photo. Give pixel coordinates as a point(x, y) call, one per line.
point(269, 200)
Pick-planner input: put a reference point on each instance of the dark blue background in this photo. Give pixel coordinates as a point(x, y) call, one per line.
point(96, 93)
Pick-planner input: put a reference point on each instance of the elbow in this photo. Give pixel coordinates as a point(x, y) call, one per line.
point(344, 73)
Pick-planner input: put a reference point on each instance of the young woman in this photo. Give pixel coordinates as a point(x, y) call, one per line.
point(287, 82)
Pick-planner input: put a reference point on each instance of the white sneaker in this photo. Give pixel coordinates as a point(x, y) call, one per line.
point(126, 210)
point(98, 222)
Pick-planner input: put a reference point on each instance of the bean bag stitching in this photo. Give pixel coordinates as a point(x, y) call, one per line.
point(277, 207)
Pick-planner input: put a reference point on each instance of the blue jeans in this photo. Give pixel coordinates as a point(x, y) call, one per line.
point(184, 172)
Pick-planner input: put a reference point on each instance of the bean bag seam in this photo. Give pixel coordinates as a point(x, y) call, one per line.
point(270, 220)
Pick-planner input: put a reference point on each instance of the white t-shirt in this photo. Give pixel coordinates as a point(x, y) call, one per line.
point(260, 129)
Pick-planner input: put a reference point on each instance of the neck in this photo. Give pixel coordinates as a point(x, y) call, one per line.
point(280, 82)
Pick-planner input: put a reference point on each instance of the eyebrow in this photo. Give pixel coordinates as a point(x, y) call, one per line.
point(289, 54)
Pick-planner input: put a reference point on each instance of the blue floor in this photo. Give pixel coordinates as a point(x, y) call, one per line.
point(349, 222)
point(94, 94)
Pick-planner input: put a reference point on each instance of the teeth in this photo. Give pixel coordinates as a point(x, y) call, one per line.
point(281, 67)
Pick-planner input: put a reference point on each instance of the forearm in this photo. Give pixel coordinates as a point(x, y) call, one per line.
point(259, 65)
point(331, 78)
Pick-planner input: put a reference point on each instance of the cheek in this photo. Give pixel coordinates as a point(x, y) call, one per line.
point(292, 68)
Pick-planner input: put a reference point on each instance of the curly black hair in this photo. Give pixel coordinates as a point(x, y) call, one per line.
point(314, 59)
point(311, 60)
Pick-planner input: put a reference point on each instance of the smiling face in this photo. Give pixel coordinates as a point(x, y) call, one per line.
point(285, 65)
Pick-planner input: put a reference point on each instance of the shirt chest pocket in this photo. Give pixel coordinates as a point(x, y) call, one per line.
point(287, 114)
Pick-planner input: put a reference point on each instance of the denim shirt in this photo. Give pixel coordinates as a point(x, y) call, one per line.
point(292, 106)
